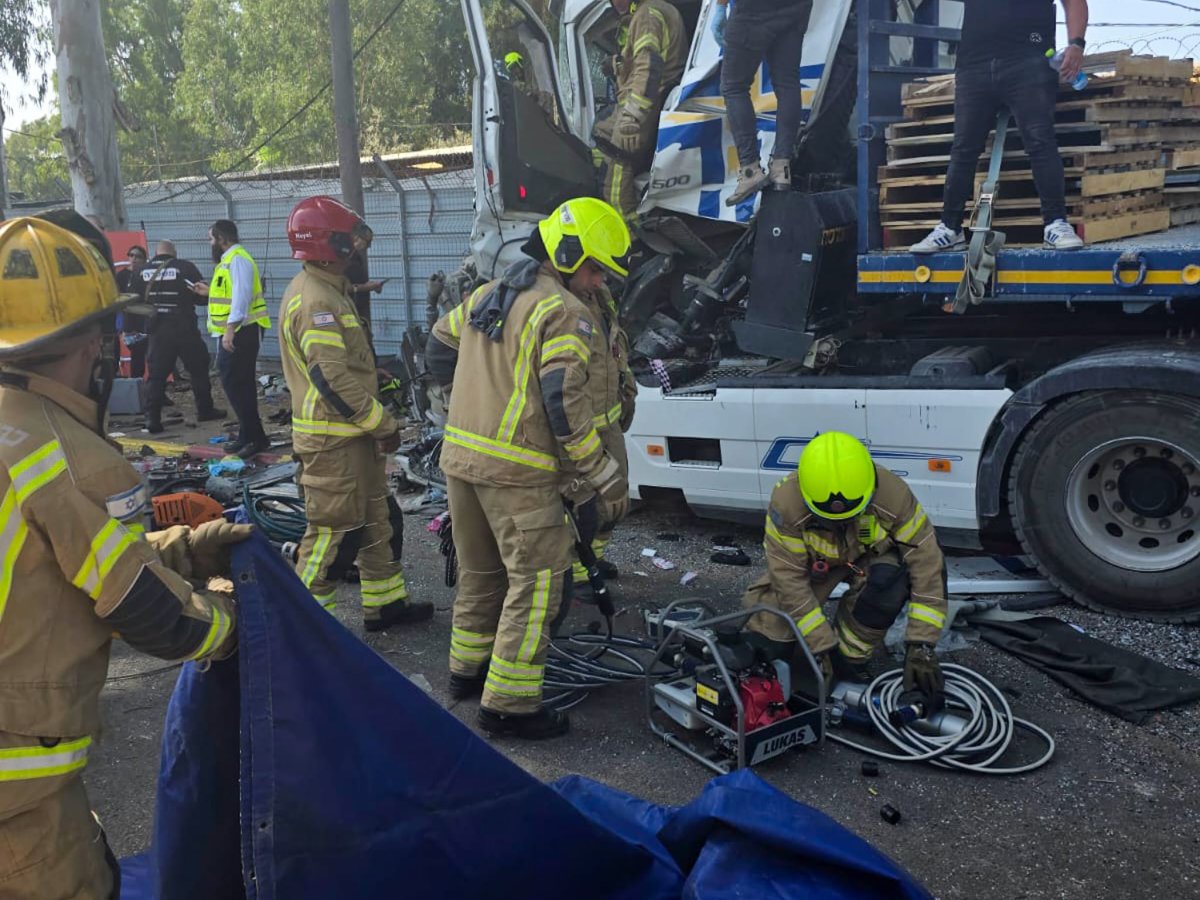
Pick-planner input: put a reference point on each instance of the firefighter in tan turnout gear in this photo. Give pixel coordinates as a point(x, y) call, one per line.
point(613, 393)
point(518, 351)
point(654, 49)
point(76, 566)
point(341, 432)
point(842, 518)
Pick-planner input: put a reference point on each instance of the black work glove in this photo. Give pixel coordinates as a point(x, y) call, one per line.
point(767, 650)
point(923, 679)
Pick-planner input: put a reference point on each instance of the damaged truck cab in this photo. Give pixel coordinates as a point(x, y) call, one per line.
point(1059, 416)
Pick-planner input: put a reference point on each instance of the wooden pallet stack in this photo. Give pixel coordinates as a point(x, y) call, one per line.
point(1130, 144)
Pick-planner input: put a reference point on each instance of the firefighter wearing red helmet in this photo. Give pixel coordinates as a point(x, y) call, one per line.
point(341, 432)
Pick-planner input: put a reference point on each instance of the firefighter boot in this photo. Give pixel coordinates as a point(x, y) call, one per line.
point(402, 612)
point(538, 726)
point(464, 687)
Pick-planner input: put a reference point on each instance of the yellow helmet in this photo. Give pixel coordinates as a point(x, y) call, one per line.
point(513, 59)
point(586, 228)
point(52, 282)
point(837, 477)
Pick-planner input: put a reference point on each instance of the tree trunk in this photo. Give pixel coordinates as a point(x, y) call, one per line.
point(3, 170)
point(345, 117)
point(85, 95)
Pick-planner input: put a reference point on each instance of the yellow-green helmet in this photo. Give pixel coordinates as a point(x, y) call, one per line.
point(836, 475)
point(586, 228)
point(513, 59)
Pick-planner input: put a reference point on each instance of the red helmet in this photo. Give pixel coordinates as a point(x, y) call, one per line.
point(321, 229)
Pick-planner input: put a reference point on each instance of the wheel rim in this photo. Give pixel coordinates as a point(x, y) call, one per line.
point(1133, 502)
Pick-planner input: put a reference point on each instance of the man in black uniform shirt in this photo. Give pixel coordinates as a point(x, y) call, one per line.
point(1002, 61)
point(165, 282)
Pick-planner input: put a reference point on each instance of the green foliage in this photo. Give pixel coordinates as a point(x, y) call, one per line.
point(202, 83)
point(249, 67)
point(36, 160)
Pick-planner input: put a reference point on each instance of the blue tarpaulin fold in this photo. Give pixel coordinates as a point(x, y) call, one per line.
point(308, 767)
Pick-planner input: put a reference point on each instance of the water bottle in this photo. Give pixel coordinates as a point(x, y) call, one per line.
point(1056, 61)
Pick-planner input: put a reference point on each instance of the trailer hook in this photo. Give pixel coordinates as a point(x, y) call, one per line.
point(1130, 261)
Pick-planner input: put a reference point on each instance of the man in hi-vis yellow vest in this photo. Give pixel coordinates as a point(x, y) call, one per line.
point(237, 313)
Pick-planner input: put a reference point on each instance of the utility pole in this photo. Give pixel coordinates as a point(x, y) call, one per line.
point(345, 116)
point(85, 96)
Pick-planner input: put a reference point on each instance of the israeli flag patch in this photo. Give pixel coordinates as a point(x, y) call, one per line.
point(324, 319)
point(127, 505)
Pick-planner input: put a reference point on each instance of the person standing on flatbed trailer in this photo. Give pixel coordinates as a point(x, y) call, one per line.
point(1002, 62)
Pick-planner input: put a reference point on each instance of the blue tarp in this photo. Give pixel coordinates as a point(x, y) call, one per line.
point(308, 767)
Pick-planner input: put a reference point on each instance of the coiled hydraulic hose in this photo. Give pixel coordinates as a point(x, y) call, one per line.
point(985, 738)
point(281, 519)
point(571, 674)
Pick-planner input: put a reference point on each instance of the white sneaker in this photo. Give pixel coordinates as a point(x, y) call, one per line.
point(1060, 235)
point(941, 239)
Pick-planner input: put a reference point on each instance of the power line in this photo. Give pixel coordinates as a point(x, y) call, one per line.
point(298, 113)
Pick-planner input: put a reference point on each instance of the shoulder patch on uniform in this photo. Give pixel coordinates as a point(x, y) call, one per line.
point(584, 327)
point(776, 516)
point(324, 319)
point(128, 504)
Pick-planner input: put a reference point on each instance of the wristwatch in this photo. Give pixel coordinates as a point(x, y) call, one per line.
point(1079, 42)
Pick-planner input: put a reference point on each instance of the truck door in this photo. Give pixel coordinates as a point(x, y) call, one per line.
point(527, 160)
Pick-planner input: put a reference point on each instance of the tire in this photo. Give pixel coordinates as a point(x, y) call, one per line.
point(1103, 491)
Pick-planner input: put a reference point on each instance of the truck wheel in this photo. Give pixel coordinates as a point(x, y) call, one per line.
point(1104, 494)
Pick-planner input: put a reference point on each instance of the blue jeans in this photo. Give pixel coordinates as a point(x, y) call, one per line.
point(1028, 87)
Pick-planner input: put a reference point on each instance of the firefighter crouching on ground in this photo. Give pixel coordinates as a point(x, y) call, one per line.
point(653, 51)
point(77, 567)
point(613, 393)
point(518, 351)
point(342, 435)
point(841, 518)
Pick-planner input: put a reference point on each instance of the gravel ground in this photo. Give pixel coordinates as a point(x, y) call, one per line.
point(1113, 816)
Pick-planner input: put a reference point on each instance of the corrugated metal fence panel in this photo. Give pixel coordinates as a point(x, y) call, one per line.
point(419, 231)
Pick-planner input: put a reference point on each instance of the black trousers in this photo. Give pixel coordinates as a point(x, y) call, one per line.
point(238, 372)
point(777, 37)
point(175, 337)
point(1028, 87)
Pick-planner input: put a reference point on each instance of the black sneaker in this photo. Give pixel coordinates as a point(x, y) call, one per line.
point(538, 726)
point(211, 415)
point(233, 448)
point(403, 612)
point(252, 449)
point(154, 426)
point(464, 687)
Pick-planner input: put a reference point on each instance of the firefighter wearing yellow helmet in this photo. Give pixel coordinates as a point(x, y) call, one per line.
point(842, 518)
point(520, 419)
point(76, 566)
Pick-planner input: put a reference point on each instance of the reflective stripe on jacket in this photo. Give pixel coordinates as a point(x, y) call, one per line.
point(329, 365)
point(894, 521)
point(75, 568)
point(520, 405)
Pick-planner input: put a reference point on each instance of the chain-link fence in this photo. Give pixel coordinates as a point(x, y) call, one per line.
point(422, 224)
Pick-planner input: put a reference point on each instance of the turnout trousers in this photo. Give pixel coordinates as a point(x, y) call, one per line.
point(51, 846)
point(351, 517)
point(514, 549)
